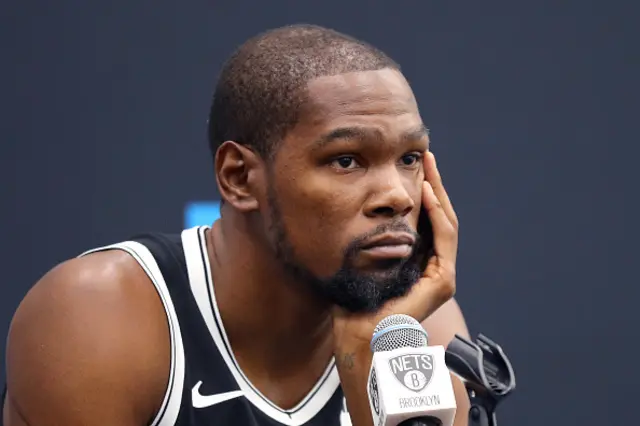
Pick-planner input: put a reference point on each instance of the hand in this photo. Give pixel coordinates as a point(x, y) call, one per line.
point(352, 332)
point(437, 284)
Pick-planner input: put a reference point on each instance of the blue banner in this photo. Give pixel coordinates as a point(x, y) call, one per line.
point(199, 213)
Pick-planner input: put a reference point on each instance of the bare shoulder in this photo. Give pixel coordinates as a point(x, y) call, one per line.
point(441, 327)
point(88, 344)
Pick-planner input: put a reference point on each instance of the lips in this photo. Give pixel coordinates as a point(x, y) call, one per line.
point(390, 239)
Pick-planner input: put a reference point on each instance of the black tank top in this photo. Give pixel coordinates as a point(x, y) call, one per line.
point(206, 386)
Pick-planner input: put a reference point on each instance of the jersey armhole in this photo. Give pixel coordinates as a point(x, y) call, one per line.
point(168, 412)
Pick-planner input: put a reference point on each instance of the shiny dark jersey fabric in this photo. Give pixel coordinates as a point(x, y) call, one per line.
point(206, 385)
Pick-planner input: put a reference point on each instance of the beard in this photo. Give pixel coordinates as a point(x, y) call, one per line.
point(350, 288)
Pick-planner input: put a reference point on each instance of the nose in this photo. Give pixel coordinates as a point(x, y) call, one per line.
point(389, 197)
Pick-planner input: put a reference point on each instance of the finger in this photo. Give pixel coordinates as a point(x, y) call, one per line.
point(432, 175)
point(445, 235)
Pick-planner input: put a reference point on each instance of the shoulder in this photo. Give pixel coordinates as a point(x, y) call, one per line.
point(100, 292)
point(90, 334)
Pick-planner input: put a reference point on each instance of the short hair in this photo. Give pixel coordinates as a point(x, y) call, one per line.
point(262, 86)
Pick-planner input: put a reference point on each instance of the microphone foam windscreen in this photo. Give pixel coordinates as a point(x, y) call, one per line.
point(398, 331)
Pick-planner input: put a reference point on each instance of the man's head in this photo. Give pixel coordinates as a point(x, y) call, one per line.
point(319, 144)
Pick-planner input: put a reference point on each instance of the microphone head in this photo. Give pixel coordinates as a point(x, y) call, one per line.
point(398, 331)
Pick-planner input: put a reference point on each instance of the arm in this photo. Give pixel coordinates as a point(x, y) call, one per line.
point(433, 290)
point(89, 345)
point(442, 326)
point(353, 362)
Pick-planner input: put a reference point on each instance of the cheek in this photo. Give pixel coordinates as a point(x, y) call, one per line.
point(317, 219)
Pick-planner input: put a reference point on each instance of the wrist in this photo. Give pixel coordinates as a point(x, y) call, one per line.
point(352, 355)
point(353, 361)
point(352, 333)
point(352, 358)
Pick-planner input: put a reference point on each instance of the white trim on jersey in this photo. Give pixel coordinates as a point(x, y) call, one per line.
point(168, 413)
point(199, 270)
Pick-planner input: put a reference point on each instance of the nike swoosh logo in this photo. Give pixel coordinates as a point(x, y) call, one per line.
point(202, 401)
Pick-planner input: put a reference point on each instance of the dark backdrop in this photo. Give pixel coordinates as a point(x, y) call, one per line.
point(103, 108)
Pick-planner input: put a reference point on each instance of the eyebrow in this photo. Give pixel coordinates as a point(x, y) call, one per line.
point(367, 133)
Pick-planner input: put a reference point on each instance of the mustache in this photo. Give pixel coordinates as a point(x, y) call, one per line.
point(396, 226)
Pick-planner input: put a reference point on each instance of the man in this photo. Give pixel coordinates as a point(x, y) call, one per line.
point(323, 164)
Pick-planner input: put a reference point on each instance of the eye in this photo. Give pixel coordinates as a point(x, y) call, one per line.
point(344, 162)
point(410, 159)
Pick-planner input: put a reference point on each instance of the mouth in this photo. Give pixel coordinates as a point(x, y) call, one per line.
point(390, 246)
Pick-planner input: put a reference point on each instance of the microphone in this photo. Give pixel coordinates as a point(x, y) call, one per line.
point(409, 382)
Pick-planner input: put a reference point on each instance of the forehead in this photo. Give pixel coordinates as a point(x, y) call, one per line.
point(380, 99)
point(383, 91)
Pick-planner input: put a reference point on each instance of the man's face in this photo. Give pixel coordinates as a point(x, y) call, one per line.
point(344, 190)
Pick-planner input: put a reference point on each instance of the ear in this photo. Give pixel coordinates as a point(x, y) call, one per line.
point(238, 171)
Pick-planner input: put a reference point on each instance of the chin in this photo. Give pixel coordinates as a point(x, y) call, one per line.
point(369, 291)
point(387, 267)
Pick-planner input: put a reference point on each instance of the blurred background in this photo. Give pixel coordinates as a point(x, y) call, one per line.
point(531, 105)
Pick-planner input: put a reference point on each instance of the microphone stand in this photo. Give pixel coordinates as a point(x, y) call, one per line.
point(487, 375)
point(422, 421)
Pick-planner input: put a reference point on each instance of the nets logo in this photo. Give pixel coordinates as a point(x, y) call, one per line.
point(199, 213)
point(414, 371)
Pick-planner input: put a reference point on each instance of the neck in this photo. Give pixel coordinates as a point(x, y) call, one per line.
point(273, 323)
